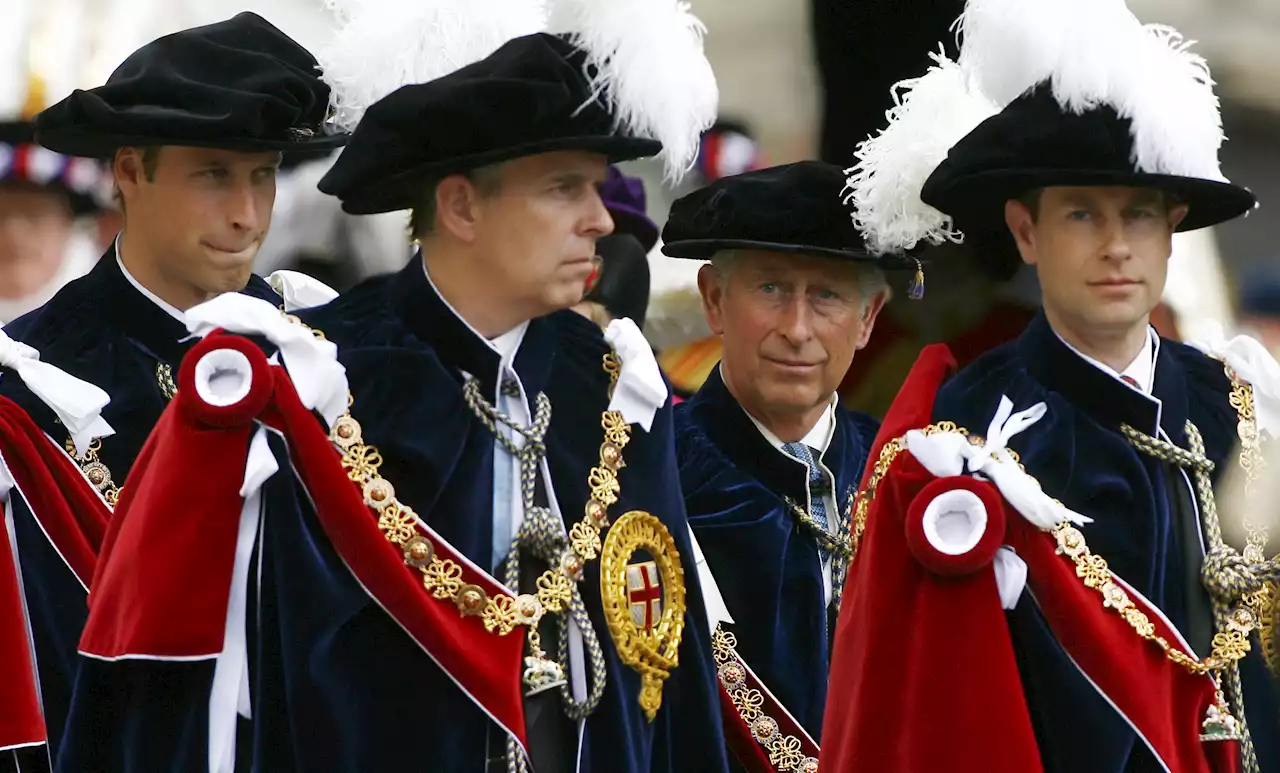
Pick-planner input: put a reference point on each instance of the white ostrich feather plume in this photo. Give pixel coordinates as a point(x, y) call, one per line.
point(930, 114)
point(649, 67)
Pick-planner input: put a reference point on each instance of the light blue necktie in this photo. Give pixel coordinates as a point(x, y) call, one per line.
point(817, 487)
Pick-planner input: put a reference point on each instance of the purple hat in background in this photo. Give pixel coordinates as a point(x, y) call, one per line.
point(624, 198)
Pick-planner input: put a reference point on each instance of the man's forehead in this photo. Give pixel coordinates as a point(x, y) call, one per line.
point(570, 163)
point(796, 264)
point(223, 156)
point(1105, 193)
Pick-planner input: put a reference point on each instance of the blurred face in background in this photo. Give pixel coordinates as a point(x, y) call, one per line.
point(35, 224)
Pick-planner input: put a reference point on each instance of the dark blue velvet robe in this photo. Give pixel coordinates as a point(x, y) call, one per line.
point(1145, 525)
point(765, 564)
point(336, 684)
point(98, 328)
point(56, 612)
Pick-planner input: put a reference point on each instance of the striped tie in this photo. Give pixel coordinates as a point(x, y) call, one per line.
point(817, 486)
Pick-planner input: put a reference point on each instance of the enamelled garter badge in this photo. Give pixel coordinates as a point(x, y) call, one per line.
point(642, 587)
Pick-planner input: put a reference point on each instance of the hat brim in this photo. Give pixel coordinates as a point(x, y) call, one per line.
point(17, 132)
point(88, 144)
point(404, 189)
point(704, 249)
point(978, 199)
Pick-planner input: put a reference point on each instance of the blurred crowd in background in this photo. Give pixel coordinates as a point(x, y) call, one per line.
point(800, 79)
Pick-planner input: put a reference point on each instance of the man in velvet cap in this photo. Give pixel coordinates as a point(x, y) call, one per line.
point(193, 125)
point(529, 444)
point(1087, 164)
point(769, 460)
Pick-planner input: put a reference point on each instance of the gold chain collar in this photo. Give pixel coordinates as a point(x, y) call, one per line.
point(1266, 602)
point(786, 752)
point(91, 464)
point(501, 613)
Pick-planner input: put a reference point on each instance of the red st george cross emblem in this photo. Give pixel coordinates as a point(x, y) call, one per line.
point(644, 592)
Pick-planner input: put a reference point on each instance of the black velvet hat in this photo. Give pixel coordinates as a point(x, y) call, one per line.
point(1034, 143)
point(240, 84)
point(530, 96)
point(794, 208)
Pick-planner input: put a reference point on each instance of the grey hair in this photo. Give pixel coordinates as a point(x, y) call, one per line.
point(871, 280)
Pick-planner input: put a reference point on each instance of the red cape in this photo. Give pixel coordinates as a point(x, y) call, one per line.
point(923, 674)
point(164, 578)
point(74, 518)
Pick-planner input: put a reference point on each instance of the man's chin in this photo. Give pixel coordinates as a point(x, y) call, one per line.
point(229, 280)
point(794, 397)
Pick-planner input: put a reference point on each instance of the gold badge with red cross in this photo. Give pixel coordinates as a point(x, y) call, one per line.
point(642, 587)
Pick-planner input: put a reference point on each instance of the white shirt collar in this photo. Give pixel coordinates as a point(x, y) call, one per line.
point(818, 438)
point(506, 345)
point(168, 308)
point(509, 342)
point(1142, 370)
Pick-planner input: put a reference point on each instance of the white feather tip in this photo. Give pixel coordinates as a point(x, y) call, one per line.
point(1177, 121)
point(649, 67)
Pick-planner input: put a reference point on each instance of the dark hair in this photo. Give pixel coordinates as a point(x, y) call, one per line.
point(422, 218)
point(1031, 200)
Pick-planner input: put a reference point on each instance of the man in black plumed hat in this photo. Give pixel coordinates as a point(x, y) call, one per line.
point(769, 460)
point(527, 447)
point(1101, 143)
point(193, 125)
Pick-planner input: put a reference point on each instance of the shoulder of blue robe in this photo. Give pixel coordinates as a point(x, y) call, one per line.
point(765, 565)
point(401, 348)
point(99, 328)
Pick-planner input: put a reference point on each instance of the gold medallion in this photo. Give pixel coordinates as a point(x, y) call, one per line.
point(642, 589)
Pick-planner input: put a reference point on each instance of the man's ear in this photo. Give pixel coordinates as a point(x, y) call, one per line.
point(711, 285)
point(458, 208)
point(129, 172)
point(869, 315)
point(1020, 223)
point(1177, 213)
